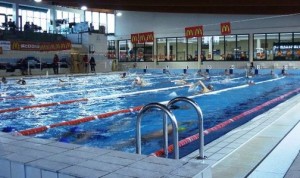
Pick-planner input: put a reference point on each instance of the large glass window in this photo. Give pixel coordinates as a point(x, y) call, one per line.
point(37, 20)
point(110, 23)
point(286, 46)
point(271, 52)
point(277, 46)
point(296, 51)
point(242, 52)
point(181, 49)
point(111, 51)
point(172, 49)
point(218, 46)
point(192, 47)
point(105, 22)
point(161, 49)
point(206, 48)
point(123, 51)
point(230, 47)
point(259, 46)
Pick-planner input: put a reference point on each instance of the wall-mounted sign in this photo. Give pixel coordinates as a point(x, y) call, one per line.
point(35, 46)
point(225, 28)
point(196, 31)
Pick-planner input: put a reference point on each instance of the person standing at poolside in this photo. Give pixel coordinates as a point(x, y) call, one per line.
point(92, 64)
point(55, 64)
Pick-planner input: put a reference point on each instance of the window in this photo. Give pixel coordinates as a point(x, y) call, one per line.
point(269, 53)
point(39, 17)
point(218, 46)
point(161, 49)
point(192, 48)
point(123, 51)
point(172, 48)
point(206, 48)
point(259, 46)
point(110, 23)
point(181, 49)
point(111, 54)
point(242, 52)
point(95, 21)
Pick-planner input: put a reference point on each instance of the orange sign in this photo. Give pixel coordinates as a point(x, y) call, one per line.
point(146, 37)
point(225, 28)
point(196, 31)
point(45, 46)
point(134, 38)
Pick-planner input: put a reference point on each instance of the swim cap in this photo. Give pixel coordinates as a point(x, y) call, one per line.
point(75, 129)
point(8, 129)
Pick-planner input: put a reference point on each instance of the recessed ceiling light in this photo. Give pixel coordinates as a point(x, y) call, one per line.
point(38, 0)
point(83, 8)
point(119, 14)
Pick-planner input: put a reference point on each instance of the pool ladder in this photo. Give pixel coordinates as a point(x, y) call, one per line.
point(168, 113)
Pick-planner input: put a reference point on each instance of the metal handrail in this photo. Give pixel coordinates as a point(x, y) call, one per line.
point(165, 129)
point(200, 121)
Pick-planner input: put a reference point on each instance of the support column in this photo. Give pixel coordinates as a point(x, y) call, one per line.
point(199, 41)
point(251, 50)
point(53, 20)
point(15, 15)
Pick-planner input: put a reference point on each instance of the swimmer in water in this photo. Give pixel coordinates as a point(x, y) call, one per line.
point(204, 89)
point(138, 82)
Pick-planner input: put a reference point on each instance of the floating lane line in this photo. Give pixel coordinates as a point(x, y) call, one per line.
point(77, 121)
point(17, 97)
point(217, 127)
point(85, 99)
point(42, 105)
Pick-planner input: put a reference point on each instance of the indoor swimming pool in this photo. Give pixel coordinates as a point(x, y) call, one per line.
point(101, 110)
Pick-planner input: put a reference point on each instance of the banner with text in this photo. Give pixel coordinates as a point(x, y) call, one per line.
point(146, 37)
point(135, 38)
point(225, 28)
point(196, 31)
point(43, 46)
point(142, 37)
point(5, 45)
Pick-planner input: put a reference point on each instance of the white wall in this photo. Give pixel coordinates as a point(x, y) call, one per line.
point(173, 24)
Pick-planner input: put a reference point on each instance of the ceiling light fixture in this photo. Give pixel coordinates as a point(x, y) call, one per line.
point(38, 0)
point(83, 8)
point(119, 14)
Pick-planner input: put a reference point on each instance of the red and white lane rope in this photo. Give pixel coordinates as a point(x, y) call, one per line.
point(192, 138)
point(77, 121)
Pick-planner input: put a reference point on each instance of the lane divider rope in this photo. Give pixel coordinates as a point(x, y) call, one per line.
point(77, 121)
point(217, 127)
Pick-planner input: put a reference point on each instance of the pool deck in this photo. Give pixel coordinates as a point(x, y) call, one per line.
point(265, 147)
point(26, 157)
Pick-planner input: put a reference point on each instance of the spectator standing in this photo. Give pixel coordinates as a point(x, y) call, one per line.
point(55, 64)
point(92, 64)
point(86, 63)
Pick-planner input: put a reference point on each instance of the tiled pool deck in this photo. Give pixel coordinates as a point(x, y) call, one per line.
point(26, 157)
point(265, 147)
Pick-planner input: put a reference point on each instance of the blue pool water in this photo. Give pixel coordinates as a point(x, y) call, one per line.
point(106, 93)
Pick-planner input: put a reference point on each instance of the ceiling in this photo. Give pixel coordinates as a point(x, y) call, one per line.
point(188, 6)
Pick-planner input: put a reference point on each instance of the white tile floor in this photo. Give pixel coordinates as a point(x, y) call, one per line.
point(237, 153)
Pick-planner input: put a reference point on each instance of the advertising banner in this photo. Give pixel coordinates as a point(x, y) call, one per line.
point(36, 46)
point(135, 38)
point(225, 28)
point(196, 31)
point(5, 45)
point(146, 37)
